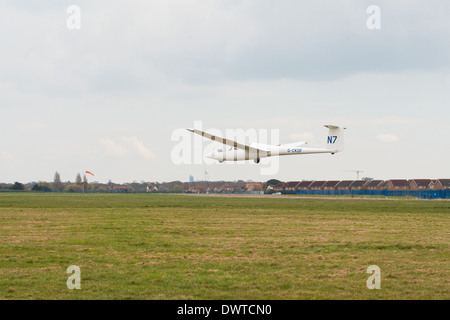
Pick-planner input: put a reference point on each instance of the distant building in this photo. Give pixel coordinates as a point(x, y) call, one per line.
point(383, 185)
point(317, 185)
point(304, 185)
point(442, 184)
point(397, 184)
point(200, 189)
point(151, 188)
point(330, 185)
point(225, 189)
point(344, 185)
point(291, 185)
point(421, 184)
point(279, 186)
point(359, 184)
point(374, 185)
point(191, 179)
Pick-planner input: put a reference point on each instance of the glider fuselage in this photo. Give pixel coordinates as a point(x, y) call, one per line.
point(234, 154)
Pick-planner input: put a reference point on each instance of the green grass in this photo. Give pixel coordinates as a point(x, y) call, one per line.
point(156, 246)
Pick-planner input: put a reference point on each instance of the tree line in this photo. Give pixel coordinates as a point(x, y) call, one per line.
point(81, 184)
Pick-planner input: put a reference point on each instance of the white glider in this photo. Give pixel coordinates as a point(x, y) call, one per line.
point(256, 151)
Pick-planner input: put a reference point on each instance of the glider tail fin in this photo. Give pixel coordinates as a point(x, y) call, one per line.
point(335, 138)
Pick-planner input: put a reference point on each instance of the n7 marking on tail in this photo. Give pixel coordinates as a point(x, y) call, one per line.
point(331, 139)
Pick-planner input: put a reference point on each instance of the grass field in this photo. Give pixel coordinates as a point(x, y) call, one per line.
point(157, 246)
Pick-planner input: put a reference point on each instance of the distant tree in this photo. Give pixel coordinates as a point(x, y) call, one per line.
point(163, 189)
point(73, 188)
point(78, 180)
point(57, 184)
point(91, 187)
point(176, 188)
point(137, 187)
point(18, 186)
point(85, 183)
point(272, 182)
point(41, 186)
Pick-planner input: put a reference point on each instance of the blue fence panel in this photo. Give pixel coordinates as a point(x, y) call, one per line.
point(421, 194)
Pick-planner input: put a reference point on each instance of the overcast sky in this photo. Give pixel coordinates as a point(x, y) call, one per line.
point(108, 96)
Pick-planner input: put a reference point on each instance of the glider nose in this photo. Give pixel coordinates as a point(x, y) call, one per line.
point(211, 155)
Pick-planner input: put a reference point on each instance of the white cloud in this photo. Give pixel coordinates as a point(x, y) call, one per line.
point(127, 146)
point(113, 148)
point(138, 146)
point(387, 137)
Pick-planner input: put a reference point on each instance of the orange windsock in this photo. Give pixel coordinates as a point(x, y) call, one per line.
point(89, 172)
